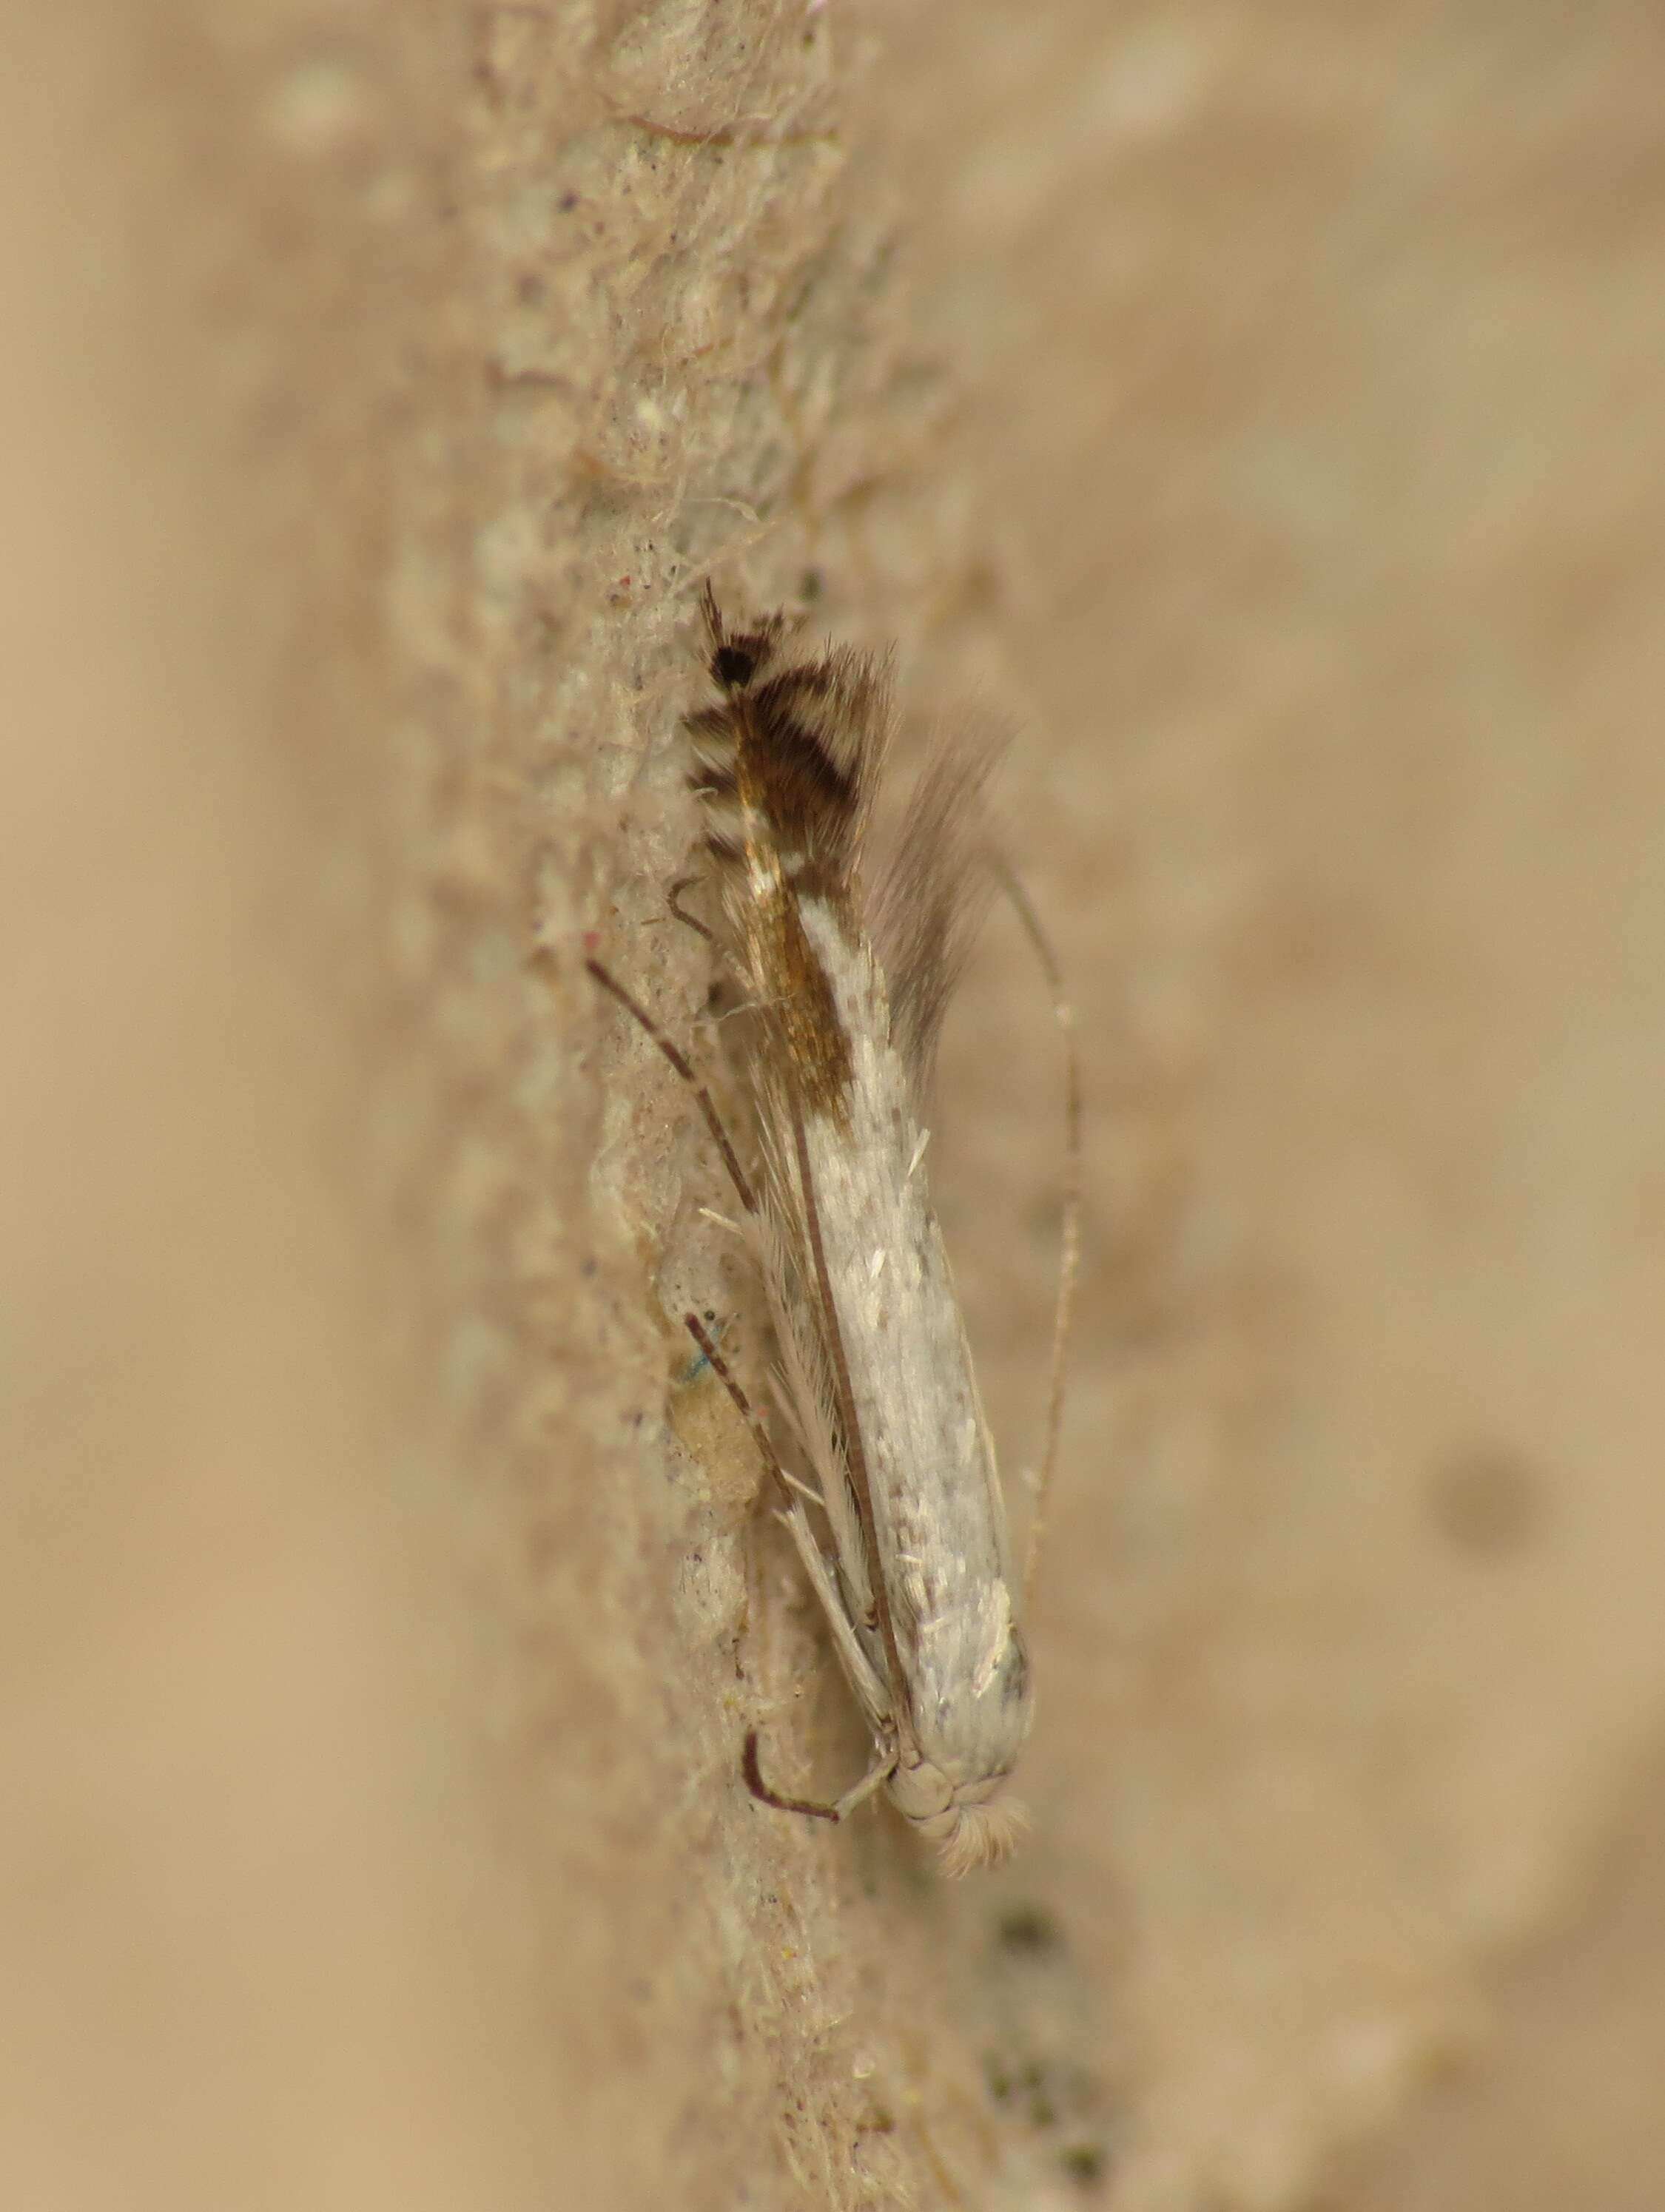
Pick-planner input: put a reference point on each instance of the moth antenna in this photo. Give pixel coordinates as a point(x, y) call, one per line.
point(679, 1060)
point(1069, 1247)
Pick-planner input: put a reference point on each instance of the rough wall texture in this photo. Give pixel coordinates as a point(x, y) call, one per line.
point(1262, 417)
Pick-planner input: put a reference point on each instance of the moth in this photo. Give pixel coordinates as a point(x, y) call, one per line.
point(845, 973)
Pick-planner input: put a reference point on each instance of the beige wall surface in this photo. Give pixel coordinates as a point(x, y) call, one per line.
point(1257, 413)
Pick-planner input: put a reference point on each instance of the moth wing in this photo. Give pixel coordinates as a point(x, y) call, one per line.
point(863, 1678)
point(808, 1399)
point(808, 1395)
point(930, 893)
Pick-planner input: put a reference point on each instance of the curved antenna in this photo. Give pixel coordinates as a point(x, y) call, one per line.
point(1070, 1250)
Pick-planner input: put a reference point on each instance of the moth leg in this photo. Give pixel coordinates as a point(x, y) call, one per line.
point(871, 1692)
point(749, 1413)
point(713, 1358)
point(764, 1796)
point(673, 901)
point(679, 1060)
point(726, 962)
point(867, 1686)
point(879, 1773)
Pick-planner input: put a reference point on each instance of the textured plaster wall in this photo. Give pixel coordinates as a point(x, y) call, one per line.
point(1259, 414)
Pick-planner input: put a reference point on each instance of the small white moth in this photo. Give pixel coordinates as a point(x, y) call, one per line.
point(847, 982)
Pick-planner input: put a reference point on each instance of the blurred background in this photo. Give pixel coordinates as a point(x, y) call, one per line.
point(1258, 414)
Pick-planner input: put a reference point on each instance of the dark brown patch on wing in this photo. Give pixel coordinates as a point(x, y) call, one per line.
point(787, 776)
point(793, 751)
point(815, 1055)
